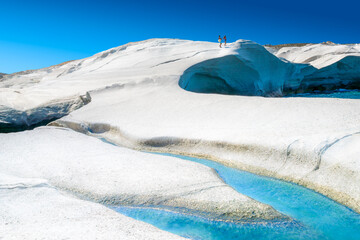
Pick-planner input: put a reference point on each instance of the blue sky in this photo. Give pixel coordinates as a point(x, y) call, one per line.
point(36, 34)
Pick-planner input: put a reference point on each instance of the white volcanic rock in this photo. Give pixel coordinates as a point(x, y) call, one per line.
point(339, 168)
point(280, 137)
point(338, 65)
point(48, 111)
point(113, 175)
point(35, 91)
point(250, 70)
point(33, 209)
point(318, 55)
point(137, 102)
point(344, 73)
point(243, 67)
point(126, 64)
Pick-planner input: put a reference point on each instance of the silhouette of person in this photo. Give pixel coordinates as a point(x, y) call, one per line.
point(224, 40)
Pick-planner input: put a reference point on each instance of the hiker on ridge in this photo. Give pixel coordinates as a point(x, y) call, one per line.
point(219, 40)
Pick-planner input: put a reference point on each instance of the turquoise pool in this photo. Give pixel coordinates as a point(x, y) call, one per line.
point(341, 93)
point(315, 216)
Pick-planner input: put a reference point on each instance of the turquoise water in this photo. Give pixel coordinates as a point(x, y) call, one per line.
point(316, 216)
point(341, 93)
point(199, 228)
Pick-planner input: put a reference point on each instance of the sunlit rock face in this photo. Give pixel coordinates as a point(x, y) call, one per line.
point(241, 68)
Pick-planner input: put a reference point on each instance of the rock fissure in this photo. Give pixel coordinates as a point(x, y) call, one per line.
point(329, 145)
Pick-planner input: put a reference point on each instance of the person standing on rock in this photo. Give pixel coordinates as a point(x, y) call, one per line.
point(224, 40)
point(219, 40)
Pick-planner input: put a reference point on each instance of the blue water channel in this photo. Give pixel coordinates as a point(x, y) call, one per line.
point(340, 93)
point(315, 216)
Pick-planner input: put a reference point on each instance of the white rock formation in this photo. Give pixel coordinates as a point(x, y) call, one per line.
point(244, 68)
point(137, 102)
point(249, 70)
point(33, 209)
point(318, 55)
point(112, 175)
point(280, 137)
point(338, 65)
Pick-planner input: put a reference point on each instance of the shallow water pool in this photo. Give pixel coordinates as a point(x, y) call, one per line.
point(315, 216)
point(341, 93)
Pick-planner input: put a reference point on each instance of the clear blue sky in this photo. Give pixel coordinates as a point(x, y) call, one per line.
point(35, 34)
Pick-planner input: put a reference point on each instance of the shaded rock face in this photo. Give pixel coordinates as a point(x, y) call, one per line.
point(226, 75)
point(342, 74)
point(12, 120)
point(252, 72)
